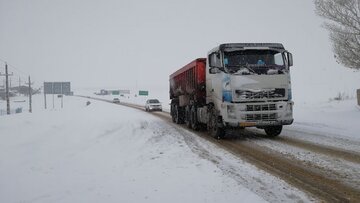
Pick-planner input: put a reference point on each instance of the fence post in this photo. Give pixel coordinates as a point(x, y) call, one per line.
point(358, 96)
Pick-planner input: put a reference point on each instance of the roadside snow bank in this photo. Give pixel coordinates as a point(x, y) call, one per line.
point(336, 118)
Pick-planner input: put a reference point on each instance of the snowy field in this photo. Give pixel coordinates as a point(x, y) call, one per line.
point(109, 153)
point(333, 118)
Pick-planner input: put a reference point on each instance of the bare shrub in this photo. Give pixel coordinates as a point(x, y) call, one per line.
point(343, 22)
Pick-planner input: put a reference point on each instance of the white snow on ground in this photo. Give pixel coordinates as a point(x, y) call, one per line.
point(106, 152)
point(109, 153)
point(333, 118)
point(350, 171)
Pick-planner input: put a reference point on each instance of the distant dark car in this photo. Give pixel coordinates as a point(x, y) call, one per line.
point(116, 101)
point(153, 105)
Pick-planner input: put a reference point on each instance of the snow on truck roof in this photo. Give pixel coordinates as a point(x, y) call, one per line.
point(243, 46)
point(251, 45)
point(230, 47)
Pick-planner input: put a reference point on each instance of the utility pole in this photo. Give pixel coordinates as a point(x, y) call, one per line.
point(30, 94)
point(7, 88)
point(19, 88)
point(45, 99)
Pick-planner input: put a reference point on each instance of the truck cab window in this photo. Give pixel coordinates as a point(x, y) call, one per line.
point(279, 59)
point(257, 61)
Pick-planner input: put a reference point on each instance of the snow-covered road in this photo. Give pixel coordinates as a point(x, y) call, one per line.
point(109, 153)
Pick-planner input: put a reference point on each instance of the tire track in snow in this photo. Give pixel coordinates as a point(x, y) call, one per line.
point(294, 172)
point(243, 173)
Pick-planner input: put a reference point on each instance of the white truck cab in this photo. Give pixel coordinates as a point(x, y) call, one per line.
point(248, 85)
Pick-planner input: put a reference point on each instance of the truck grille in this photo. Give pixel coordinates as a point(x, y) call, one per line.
point(269, 94)
point(261, 117)
point(261, 107)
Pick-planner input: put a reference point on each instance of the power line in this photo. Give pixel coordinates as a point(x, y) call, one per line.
point(24, 75)
point(12, 66)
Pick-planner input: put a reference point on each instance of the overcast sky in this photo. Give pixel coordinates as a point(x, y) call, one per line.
point(132, 43)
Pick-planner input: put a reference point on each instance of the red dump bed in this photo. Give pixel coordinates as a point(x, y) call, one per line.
point(189, 80)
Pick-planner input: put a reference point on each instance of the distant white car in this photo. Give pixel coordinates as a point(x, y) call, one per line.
point(116, 101)
point(153, 105)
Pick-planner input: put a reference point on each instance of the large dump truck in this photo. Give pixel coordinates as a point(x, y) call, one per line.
point(238, 85)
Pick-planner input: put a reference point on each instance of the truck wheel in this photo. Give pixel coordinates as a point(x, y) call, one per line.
point(193, 118)
point(178, 115)
point(218, 133)
point(213, 126)
point(187, 116)
point(273, 131)
point(172, 113)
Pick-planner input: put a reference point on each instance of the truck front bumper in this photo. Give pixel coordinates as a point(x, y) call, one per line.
point(259, 124)
point(257, 114)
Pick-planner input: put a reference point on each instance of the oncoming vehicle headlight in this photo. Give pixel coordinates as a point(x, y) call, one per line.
point(231, 111)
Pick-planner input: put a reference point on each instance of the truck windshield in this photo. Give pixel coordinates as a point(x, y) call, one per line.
point(254, 62)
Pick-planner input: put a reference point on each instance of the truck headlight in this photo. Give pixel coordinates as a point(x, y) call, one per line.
point(289, 107)
point(289, 95)
point(289, 110)
point(242, 108)
point(231, 111)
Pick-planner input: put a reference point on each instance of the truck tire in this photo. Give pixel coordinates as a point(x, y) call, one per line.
point(273, 131)
point(178, 114)
point(187, 116)
point(172, 113)
point(215, 130)
point(193, 118)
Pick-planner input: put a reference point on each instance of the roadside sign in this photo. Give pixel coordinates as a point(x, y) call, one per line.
point(57, 88)
point(48, 87)
point(66, 88)
point(143, 93)
point(115, 92)
point(124, 91)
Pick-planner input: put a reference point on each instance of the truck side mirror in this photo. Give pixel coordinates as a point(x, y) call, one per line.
point(214, 70)
point(214, 60)
point(290, 59)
